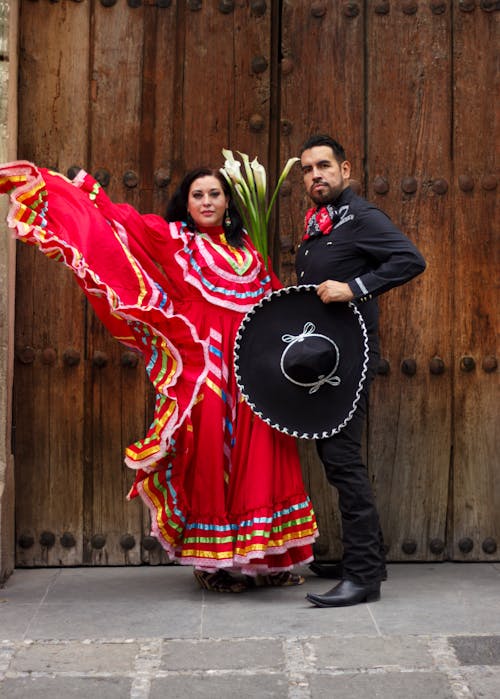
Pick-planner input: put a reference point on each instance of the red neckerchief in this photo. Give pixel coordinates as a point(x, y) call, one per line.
point(319, 221)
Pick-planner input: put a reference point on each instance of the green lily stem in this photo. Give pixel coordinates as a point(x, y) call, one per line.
point(250, 198)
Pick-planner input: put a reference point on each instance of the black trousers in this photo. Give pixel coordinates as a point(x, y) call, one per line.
point(363, 559)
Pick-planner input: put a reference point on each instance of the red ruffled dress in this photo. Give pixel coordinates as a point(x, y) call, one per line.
point(223, 488)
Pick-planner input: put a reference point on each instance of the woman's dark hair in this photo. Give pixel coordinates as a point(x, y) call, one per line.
point(177, 206)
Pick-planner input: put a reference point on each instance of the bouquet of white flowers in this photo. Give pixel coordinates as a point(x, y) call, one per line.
point(249, 192)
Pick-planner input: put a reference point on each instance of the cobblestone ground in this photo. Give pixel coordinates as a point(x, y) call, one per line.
point(151, 633)
point(316, 667)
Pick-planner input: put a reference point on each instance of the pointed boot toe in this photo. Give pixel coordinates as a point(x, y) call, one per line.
point(346, 593)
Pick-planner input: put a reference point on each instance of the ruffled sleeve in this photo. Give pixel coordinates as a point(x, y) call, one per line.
point(106, 247)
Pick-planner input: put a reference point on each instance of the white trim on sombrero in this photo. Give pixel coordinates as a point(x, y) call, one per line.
point(294, 433)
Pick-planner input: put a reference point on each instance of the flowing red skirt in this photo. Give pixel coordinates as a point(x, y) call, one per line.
point(224, 489)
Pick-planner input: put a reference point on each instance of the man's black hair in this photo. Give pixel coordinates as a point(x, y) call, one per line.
point(325, 140)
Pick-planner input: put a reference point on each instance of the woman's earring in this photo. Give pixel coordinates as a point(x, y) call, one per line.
point(227, 219)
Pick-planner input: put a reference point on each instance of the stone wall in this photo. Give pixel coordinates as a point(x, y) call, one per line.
point(9, 10)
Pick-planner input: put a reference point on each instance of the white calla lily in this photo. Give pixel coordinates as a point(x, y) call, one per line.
point(246, 163)
point(228, 154)
point(259, 173)
point(233, 170)
point(249, 190)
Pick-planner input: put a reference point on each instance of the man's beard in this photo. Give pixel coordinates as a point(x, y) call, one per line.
point(327, 195)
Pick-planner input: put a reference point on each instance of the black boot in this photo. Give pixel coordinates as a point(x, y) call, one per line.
point(335, 571)
point(326, 569)
point(347, 593)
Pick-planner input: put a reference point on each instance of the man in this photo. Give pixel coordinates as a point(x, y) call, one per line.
point(353, 252)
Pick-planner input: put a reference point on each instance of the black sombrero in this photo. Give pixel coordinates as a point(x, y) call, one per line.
point(300, 363)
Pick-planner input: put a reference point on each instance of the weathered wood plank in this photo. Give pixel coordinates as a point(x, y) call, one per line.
point(476, 495)
point(249, 128)
point(408, 148)
point(160, 101)
point(49, 309)
point(205, 108)
point(224, 87)
point(115, 409)
point(321, 90)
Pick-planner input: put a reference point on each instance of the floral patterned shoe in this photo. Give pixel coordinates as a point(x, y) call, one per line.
point(285, 579)
point(220, 581)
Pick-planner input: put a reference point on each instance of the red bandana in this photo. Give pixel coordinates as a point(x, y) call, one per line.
point(319, 221)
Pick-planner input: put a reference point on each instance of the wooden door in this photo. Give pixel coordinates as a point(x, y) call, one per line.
point(139, 92)
point(394, 81)
point(136, 93)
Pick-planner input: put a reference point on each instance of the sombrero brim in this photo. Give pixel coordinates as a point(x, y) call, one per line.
point(260, 343)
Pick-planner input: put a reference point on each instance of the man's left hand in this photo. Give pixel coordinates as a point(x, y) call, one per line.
point(331, 291)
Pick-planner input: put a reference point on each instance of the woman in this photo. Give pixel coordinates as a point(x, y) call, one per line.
point(224, 490)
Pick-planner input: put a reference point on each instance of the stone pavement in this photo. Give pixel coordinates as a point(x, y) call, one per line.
point(151, 633)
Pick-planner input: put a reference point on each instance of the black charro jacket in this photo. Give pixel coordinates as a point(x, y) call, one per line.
point(364, 249)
